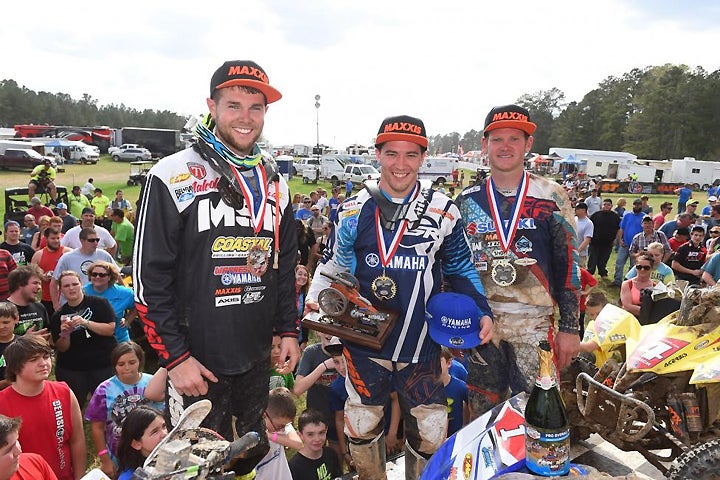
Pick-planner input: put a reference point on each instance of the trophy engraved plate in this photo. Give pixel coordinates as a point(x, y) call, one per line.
point(346, 314)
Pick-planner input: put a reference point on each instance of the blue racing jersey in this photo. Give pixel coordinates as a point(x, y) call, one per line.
point(434, 249)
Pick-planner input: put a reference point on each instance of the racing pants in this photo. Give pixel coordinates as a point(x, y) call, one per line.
point(421, 394)
point(242, 398)
point(509, 364)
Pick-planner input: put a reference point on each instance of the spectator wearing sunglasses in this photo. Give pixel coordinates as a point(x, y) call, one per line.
point(105, 282)
point(631, 290)
point(304, 210)
point(78, 261)
point(712, 244)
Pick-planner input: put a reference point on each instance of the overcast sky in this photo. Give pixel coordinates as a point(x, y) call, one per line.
point(447, 62)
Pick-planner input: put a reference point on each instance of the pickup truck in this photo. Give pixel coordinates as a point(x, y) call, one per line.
point(300, 164)
point(358, 173)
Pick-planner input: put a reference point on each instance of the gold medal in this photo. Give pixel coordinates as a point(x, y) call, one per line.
point(384, 287)
point(503, 273)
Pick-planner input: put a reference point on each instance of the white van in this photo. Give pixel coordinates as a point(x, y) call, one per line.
point(82, 153)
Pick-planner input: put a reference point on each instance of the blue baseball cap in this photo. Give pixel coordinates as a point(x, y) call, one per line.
point(453, 320)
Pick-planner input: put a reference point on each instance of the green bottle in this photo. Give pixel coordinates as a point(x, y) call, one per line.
point(547, 432)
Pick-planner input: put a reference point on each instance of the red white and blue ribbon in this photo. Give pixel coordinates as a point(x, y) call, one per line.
point(256, 206)
point(506, 229)
point(386, 253)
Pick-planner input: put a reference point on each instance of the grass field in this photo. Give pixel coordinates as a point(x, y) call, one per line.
point(111, 176)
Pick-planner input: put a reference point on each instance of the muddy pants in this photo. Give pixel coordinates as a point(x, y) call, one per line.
point(509, 364)
point(421, 394)
point(242, 398)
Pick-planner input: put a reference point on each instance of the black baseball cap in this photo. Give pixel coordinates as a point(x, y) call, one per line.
point(402, 128)
point(582, 205)
point(509, 116)
point(244, 73)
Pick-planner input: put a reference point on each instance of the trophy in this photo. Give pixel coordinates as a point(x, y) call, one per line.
point(348, 315)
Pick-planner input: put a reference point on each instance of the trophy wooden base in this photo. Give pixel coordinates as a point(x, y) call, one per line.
point(363, 331)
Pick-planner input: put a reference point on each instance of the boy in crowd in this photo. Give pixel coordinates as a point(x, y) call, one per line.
point(278, 379)
point(314, 375)
point(15, 465)
point(457, 394)
point(50, 411)
point(9, 317)
point(690, 257)
point(314, 461)
point(594, 303)
point(278, 417)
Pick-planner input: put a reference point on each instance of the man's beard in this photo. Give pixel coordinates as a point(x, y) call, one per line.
point(225, 134)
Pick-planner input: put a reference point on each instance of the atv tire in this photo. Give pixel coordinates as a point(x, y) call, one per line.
point(702, 462)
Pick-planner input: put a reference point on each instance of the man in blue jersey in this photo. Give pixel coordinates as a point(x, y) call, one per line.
point(522, 233)
point(398, 240)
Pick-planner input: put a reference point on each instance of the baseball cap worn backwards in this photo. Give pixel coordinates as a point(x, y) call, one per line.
point(244, 73)
point(509, 116)
point(453, 320)
point(402, 128)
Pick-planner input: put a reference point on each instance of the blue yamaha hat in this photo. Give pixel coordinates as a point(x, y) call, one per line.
point(453, 320)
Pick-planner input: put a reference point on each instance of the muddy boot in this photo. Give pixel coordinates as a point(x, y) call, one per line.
point(414, 463)
point(369, 458)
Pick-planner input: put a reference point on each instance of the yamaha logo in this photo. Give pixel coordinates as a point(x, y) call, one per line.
point(372, 260)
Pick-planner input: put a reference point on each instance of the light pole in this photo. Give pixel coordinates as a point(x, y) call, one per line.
point(317, 121)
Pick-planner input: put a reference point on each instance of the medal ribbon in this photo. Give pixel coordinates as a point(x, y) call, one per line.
point(385, 255)
point(256, 206)
point(507, 232)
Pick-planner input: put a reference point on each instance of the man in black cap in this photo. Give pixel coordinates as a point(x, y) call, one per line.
point(522, 233)
point(214, 261)
point(397, 239)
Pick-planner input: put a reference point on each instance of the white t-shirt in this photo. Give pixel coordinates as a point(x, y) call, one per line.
point(274, 465)
point(322, 203)
point(72, 238)
point(585, 228)
point(87, 189)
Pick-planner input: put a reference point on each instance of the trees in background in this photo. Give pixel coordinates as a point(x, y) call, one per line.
point(19, 105)
point(659, 112)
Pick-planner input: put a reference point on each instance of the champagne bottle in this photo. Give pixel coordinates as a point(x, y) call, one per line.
point(547, 432)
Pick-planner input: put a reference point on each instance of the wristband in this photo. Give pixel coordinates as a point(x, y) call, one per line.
point(102, 452)
point(274, 437)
